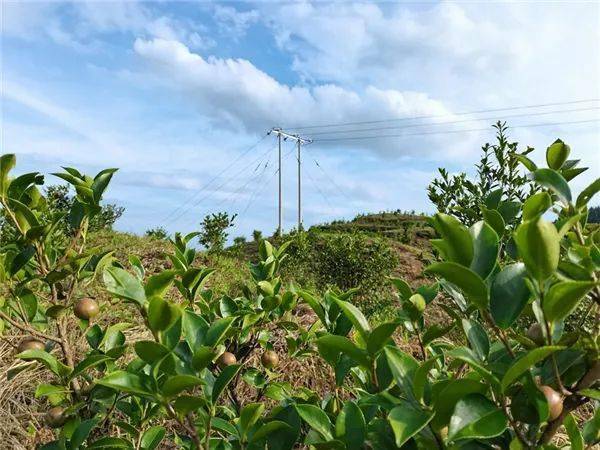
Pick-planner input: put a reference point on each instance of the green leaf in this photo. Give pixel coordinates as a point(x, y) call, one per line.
point(536, 205)
point(356, 317)
point(152, 437)
point(88, 363)
point(7, 162)
point(269, 428)
point(591, 430)
point(407, 421)
point(330, 346)
point(122, 284)
point(557, 154)
point(467, 355)
point(403, 288)
point(21, 259)
point(316, 418)
point(224, 378)
point(446, 400)
point(82, 432)
point(162, 314)
point(202, 357)
point(563, 297)
point(420, 378)
point(158, 284)
point(528, 163)
point(539, 247)
point(47, 359)
point(110, 443)
point(575, 437)
point(249, 415)
point(350, 426)
point(179, 383)
point(494, 219)
point(485, 249)
point(509, 294)
point(127, 382)
point(554, 181)
point(476, 417)
point(379, 337)
point(458, 243)
point(403, 368)
point(477, 337)
point(150, 351)
point(468, 281)
point(525, 362)
point(217, 331)
point(586, 195)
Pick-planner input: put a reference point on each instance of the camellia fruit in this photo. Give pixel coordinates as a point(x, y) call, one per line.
point(536, 334)
point(55, 417)
point(555, 402)
point(30, 343)
point(86, 308)
point(269, 359)
point(226, 359)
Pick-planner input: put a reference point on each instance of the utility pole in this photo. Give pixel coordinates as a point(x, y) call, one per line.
point(299, 189)
point(299, 142)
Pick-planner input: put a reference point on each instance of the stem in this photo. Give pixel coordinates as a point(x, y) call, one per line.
point(420, 341)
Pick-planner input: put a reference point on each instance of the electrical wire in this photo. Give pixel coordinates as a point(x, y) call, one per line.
point(351, 138)
point(199, 191)
point(227, 180)
point(432, 116)
point(476, 119)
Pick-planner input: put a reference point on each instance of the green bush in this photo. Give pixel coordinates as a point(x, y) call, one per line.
point(180, 380)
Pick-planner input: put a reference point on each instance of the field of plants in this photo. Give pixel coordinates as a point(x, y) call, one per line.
point(475, 328)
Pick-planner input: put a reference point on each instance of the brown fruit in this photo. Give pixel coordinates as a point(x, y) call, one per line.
point(55, 417)
point(536, 334)
point(226, 359)
point(269, 359)
point(554, 399)
point(30, 343)
point(86, 308)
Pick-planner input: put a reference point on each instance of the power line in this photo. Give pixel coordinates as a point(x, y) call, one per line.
point(475, 119)
point(509, 108)
point(379, 136)
point(199, 201)
point(331, 179)
point(244, 153)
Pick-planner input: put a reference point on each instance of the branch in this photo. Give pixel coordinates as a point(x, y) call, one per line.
point(29, 329)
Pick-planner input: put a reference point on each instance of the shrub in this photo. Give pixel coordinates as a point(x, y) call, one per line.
point(594, 214)
point(180, 381)
point(213, 231)
point(498, 186)
point(257, 235)
point(157, 233)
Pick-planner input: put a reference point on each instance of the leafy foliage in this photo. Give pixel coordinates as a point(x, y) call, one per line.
point(213, 231)
point(496, 387)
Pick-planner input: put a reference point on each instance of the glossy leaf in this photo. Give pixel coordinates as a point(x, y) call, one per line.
point(563, 297)
point(316, 418)
point(554, 181)
point(468, 281)
point(476, 417)
point(350, 426)
point(539, 247)
point(509, 294)
point(526, 362)
point(457, 239)
point(536, 205)
point(557, 154)
point(407, 421)
point(485, 249)
point(122, 284)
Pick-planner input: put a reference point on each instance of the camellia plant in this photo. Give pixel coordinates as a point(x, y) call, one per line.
point(206, 372)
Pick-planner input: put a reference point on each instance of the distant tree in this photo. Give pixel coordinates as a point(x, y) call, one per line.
point(594, 214)
point(257, 235)
point(157, 233)
point(239, 241)
point(213, 231)
point(498, 180)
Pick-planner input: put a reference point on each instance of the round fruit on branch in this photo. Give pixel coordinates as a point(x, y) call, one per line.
point(30, 343)
point(269, 359)
point(55, 417)
point(555, 401)
point(226, 359)
point(86, 308)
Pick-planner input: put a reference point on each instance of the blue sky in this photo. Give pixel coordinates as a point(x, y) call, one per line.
point(173, 92)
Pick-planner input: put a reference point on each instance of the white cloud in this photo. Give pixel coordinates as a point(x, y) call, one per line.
point(236, 91)
point(233, 22)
